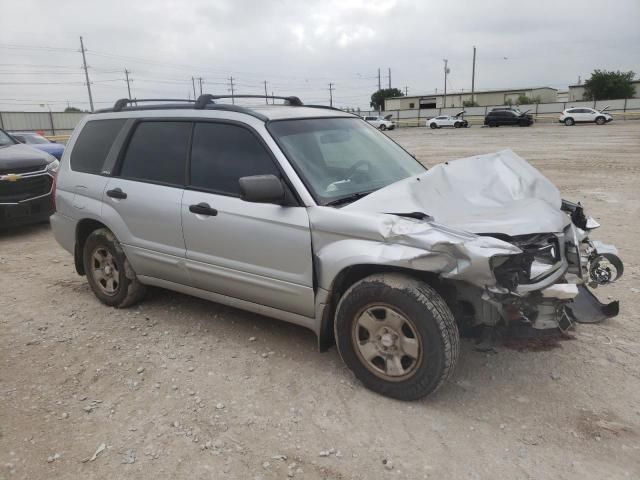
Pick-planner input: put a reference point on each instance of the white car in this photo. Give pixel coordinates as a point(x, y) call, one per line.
point(381, 123)
point(455, 121)
point(571, 116)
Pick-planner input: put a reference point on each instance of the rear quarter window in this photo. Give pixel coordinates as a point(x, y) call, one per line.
point(93, 144)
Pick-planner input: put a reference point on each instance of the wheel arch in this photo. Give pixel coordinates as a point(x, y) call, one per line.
point(351, 274)
point(84, 228)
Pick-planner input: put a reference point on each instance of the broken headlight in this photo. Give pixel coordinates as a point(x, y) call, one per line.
point(541, 256)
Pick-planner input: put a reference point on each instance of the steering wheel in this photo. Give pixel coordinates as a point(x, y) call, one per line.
point(354, 168)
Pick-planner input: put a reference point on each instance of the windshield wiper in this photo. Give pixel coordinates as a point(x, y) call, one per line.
point(347, 199)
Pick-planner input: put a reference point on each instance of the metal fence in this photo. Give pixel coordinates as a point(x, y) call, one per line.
point(49, 123)
point(61, 124)
point(622, 109)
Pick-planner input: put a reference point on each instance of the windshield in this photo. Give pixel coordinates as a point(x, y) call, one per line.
point(5, 139)
point(34, 139)
point(340, 157)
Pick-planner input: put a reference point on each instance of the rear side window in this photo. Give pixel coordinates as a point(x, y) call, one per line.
point(93, 144)
point(157, 153)
point(223, 153)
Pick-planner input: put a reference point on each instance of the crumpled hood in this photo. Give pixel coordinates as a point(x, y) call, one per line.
point(493, 193)
point(22, 156)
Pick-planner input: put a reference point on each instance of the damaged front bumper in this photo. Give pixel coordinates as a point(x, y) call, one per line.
point(561, 295)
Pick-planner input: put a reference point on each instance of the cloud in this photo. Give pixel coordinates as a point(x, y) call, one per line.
point(298, 47)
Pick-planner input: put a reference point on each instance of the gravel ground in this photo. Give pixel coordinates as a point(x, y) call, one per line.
point(182, 388)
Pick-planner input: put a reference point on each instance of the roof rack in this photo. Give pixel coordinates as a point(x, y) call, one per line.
point(206, 99)
point(123, 102)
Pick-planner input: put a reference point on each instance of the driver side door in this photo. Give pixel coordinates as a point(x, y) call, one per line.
point(256, 252)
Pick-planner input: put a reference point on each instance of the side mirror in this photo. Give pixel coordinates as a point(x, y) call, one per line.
point(262, 189)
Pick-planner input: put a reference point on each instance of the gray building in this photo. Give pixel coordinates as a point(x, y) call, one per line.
point(576, 92)
point(481, 97)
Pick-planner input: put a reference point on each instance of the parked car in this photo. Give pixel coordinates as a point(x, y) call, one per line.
point(382, 123)
point(455, 121)
point(571, 116)
point(309, 215)
point(36, 140)
point(508, 116)
point(27, 176)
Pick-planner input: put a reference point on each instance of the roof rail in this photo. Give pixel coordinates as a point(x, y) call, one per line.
point(206, 98)
point(123, 102)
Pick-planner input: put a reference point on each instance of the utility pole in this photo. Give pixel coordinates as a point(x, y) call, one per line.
point(126, 74)
point(389, 77)
point(331, 94)
point(266, 95)
point(86, 73)
point(379, 84)
point(473, 76)
point(232, 92)
point(273, 99)
point(406, 91)
point(446, 72)
point(193, 84)
point(200, 81)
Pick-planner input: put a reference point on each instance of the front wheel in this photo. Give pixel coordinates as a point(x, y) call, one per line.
point(383, 127)
point(397, 335)
point(108, 271)
point(600, 121)
point(456, 125)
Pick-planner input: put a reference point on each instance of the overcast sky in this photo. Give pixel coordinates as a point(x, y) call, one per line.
point(299, 47)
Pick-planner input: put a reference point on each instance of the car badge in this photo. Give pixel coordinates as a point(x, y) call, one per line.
point(12, 177)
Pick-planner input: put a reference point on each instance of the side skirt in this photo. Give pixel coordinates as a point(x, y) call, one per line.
point(307, 322)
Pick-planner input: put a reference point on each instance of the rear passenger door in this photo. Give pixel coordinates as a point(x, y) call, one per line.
point(142, 200)
point(251, 251)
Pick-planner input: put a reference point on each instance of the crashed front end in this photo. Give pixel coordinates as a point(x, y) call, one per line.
point(503, 244)
point(547, 285)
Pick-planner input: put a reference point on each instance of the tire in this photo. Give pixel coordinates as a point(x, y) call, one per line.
point(420, 321)
point(456, 125)
point(569, 121)
point(102, 256)
point(524, 124)
point(433, 126)
point(383, 127)
point(600, 120)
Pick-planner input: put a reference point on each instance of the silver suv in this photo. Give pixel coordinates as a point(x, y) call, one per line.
point(312, 216)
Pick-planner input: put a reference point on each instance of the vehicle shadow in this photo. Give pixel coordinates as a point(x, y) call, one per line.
point(24, 230)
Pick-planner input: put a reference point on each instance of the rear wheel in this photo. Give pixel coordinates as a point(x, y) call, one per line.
point(397, 335)
point(433, 126)
point(600, 120)
point(569, 121)
point(108, 271)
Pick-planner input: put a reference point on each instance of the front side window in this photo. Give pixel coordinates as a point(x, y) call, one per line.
point(157, 153)
point(340, 157)
point(93, 144)
point(223, 153)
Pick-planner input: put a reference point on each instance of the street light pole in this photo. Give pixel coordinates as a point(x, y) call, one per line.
point(473, 76)
point(446, 72)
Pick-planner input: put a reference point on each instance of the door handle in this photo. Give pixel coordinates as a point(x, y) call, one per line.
point(116, 193)
point(203, 209)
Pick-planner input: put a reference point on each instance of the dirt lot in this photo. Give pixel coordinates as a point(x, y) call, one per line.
point(183, 388)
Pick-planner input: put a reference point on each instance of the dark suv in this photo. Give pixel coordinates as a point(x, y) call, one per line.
point(503, 116)
point(26, 183)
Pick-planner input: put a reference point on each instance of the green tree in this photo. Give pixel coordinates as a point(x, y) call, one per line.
point(524, 100)
point(470, 103)
point(378, 98)
point(605, 85)
point(72, 109)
